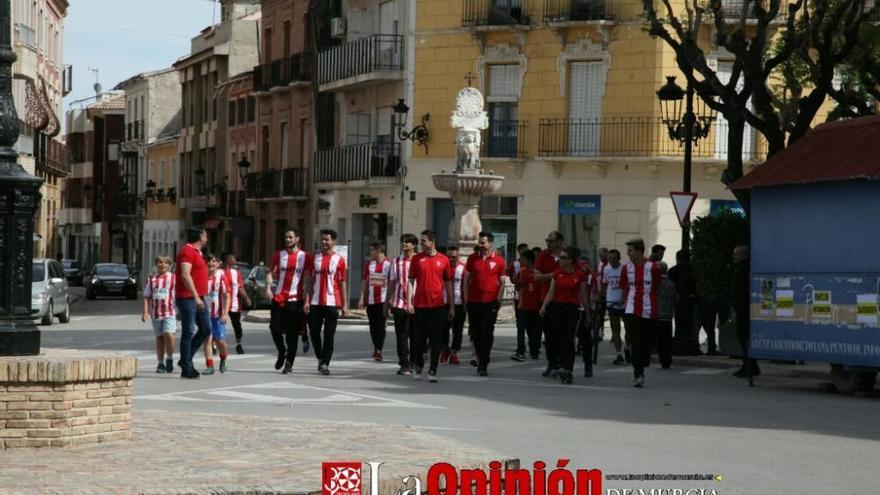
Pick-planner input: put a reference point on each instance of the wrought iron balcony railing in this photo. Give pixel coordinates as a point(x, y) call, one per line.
point(277, 183)
point(495, 13)
point(357, 162)
point(504, 139)
point(577, 10)
point(376, 53)
point(632, 137)
point(281, 72)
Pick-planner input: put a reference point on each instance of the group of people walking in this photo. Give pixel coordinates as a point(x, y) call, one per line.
point(429, 294)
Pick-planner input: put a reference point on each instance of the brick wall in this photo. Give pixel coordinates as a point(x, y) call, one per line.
point(56, 400)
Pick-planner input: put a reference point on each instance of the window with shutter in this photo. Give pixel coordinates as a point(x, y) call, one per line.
point(586, 86)
point(503, 79)
point(357, 129)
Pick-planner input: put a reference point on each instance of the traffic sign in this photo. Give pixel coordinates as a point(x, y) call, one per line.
point(683, 202)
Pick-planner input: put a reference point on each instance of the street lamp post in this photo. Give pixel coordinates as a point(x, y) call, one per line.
point(19, 199)
point(417, 134)
point(687, 129)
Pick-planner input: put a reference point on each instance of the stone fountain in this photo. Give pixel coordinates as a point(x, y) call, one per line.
point(469, 182)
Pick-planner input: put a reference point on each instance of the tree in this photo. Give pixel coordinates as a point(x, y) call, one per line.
point(821, 34)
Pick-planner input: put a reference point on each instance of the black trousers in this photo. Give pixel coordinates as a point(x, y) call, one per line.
point(531, 324)
point(457, 327)
point(663, 336)
point(743, 334)
point(428, 330)
point(235, 318)
point(481, 321)
point(403, 327)
point(376, 316)
point(711, 313)
point(323, 318)
point(284, 326)
point(641, 331)
point(566, 322)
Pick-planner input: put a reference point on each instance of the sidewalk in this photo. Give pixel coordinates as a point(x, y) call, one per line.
point(225, 454)
point(818, 371)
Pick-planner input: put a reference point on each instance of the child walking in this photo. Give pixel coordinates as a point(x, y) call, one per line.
point(159, 308)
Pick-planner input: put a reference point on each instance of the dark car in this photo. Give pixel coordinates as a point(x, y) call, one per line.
point(255, 287)
point(72, 271)
point(110, 279)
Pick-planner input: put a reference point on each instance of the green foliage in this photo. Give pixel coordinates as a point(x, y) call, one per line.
point(712, 251)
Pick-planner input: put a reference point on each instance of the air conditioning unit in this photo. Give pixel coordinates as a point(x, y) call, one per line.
point(337, 27)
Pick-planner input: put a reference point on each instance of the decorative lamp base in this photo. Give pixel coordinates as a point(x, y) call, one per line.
point(19, 338)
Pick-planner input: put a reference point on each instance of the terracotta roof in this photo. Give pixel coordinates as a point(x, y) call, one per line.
point(832, 152)
point(116, 102)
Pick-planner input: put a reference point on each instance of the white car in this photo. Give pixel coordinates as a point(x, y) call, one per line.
point(49, 292)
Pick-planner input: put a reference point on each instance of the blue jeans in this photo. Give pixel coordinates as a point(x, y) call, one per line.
point(190, 341)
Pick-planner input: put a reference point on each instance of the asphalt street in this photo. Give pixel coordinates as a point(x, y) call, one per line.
point(782, 436)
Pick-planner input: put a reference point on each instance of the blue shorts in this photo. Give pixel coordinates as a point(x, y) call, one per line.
point(218, 329)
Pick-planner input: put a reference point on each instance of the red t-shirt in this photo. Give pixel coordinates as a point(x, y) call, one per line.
point(529, 291)
point(289, 269)
point(484, 274)
point(546, 263)
point(430, 273)
point(641, 283)
point(568, 286)
point(199, 272)
point(329, 271)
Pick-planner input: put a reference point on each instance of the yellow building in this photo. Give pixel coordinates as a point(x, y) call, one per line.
point(163, 223)
point(575, 124)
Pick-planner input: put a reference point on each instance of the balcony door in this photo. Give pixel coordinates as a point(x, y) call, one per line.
point(389, 27)
point(585, 87)
point(725, 72)
point(506, 12)
point(503, 111)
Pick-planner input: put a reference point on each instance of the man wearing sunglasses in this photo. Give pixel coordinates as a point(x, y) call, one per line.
point(545, 265)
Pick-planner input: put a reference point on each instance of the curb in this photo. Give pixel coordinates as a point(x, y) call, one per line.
point(814, 371)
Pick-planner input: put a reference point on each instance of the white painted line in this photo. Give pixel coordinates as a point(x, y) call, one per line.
point(704, 371)
point(335, 398)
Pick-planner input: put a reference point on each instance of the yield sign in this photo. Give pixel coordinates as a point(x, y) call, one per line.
point(683, 202)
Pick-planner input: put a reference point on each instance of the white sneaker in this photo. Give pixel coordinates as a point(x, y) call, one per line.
point(432, 377)
point(417, 374)
point(639, 381)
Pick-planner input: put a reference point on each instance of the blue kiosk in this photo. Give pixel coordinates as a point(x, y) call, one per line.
point(815, 229)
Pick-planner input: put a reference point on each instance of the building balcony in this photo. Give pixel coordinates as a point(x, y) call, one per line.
point(374, 163)
point(504, 139)
point(733, 10)
point(476, 13)
point(624, 137)
point(134, 131)
point(295, 70)
point(372, 59)
point(277, 184)
point(576, 11)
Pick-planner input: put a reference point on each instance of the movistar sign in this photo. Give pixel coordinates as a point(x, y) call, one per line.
point(580, 204)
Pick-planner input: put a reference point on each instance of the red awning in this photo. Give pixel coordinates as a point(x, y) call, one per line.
point(213, 223)
point(832, 152)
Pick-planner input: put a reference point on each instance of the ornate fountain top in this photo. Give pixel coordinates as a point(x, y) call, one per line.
point(470, 119)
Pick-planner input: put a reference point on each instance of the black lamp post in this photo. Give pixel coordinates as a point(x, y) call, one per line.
point(687, 129)
point(418, 134)
point(243, 166)
point(19, 199)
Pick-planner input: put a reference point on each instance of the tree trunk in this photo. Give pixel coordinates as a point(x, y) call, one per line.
point(736, 128)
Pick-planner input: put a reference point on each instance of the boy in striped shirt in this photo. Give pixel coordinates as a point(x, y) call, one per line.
point(327, 291)
point(159, 308)
point(218, 302)
point(397, 303)
point(640, 281)
point(374, 292)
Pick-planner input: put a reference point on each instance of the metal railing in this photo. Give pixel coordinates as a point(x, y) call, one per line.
point(283, 71)
point(495, 13)
point(357, 162)
point(633, 137)
point(577, 10)
point(733, 9)
point(504, 139)
point(379, 52)
point(277, 183)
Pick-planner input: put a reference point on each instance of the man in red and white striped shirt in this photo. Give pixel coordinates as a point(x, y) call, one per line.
point(640, 281)
point(327, 287)
point(374, 293)
point(238, 295)
point(285, 283)
point(450, 352)
point(159, 307)
point(397, 303)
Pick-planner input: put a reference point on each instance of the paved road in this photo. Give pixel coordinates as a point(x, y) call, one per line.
point(783, 436)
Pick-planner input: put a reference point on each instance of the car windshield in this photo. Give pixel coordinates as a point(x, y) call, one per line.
point(39, 272)
point(112, 271)
point(70, 264)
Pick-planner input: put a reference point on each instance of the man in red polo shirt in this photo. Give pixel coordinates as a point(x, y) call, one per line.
point(431, 299)
point(545, 265)
point(484, 279)
point(191, 285)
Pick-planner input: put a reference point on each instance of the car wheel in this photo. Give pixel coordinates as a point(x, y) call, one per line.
point(65, 316)
point(47, 318)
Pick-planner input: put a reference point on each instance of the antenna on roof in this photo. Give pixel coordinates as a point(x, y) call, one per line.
point(97, 86)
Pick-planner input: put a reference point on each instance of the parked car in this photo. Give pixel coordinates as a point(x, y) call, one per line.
point(72, 272)
point(111, 279)
point(255, 287)
point(49, 292)
point(244, 268)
